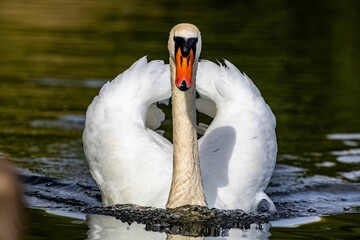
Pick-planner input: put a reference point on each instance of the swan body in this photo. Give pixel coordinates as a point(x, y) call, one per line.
point(132, 163)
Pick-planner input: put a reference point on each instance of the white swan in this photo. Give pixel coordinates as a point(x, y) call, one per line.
point(132, 163)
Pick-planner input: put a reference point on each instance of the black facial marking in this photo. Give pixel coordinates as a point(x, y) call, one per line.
point(185, 45)
point(183, 87)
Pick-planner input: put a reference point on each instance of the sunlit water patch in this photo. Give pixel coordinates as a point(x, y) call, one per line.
point(56, 82)
point(65, 122)
point(349, 156)
point(344, 136)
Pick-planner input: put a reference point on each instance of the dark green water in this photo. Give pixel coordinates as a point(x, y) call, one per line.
point(302, 55)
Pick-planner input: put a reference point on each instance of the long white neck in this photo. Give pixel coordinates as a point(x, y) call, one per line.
point(186, 185)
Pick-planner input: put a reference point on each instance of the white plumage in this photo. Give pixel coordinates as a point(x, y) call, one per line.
point(131, 163)
point(238, 150)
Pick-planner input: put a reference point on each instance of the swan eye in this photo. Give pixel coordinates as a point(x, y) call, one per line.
point(185, 45)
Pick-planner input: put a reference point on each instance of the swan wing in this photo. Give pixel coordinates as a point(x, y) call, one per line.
point(129, 161)
point(238, 150)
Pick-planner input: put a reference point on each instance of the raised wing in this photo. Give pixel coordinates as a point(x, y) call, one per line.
point(125, 156)
point(238, 150)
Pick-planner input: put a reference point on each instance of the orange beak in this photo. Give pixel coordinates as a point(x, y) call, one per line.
point(184, 68)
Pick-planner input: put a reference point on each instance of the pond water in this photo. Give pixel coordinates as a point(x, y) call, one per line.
point(302, 55)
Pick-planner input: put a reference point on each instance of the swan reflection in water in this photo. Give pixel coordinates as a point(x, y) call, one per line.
point(109, 228)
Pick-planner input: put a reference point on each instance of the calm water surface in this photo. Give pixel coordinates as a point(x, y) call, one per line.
point(302, 55)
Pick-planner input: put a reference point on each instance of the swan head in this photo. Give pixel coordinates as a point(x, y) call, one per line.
point(184, 48)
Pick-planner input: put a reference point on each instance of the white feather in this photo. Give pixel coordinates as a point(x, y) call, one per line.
point(127, 159)
point(133, 164)
point(238, 150)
